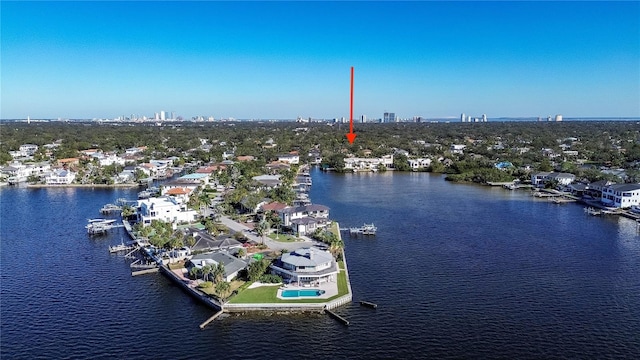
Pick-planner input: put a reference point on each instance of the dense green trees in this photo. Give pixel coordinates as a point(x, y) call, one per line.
point(611, 143)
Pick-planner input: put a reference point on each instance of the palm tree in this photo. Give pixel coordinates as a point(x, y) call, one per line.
point(218, 272)
point(262, 228)
point(222, 288)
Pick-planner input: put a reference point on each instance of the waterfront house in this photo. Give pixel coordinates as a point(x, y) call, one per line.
point(298, 212)
point(232, 265)
point(419, 163)
point(539, 179)
point(621, 195)
point(595, 188)
point(368, 164)
point(306, 266)
point(60, 177)
point(164, 208)
point(17, 172)
point(577, 189)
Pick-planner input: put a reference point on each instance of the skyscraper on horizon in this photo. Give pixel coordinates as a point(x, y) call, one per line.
point(389, 117)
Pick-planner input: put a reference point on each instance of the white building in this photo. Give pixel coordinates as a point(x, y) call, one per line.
point(419, 163)
point(60, 177)
point(621, 195)
point(289, 159)
point(368, 164)
point(164, 208)
point(28, 149)
point(541, 178)
point(457, 148)
point(306, 266)
point(110, 160)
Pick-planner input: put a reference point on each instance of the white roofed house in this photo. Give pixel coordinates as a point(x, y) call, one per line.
point(621, 195)
point(164, 208)
point(306, 266)
point(368, 164)
point(60, 177)
point(289, 158)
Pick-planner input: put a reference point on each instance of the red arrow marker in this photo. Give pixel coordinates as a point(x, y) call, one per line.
point(351, 136)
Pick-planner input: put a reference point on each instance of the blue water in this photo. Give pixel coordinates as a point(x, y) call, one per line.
point(298, 293)
point(457, 271)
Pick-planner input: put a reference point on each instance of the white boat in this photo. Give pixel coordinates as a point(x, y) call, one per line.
point(366, 229)
point(99, 226)
point(592, 211)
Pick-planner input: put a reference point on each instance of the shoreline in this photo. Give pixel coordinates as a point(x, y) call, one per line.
point(105, 186)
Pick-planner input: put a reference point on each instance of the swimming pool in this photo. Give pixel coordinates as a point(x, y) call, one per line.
point(301, 293)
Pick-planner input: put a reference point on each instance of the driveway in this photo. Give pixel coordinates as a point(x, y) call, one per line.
point(271, 244)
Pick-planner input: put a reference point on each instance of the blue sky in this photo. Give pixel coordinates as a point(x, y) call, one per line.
point(289, 59)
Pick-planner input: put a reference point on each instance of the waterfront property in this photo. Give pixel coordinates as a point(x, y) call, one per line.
point(539, 179)
point(621, 195)
point(306, 267)
point(368, 164)
point(232, 265)
point(164, 208)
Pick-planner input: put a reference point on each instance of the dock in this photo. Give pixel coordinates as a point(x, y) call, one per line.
point(122, 247)
point(110, 208)
point(100, 226)
point(145, 271)
point(366, 229)
point(213, 317)
point(369, 304)
point(337, 317)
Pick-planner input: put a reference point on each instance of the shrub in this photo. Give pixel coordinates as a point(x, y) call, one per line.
point(270, 279)
point(205, 284)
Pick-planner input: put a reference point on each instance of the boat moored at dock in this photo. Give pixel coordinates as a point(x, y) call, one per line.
point(366, 229)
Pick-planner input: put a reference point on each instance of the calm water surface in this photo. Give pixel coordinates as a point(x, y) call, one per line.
point(457, 271)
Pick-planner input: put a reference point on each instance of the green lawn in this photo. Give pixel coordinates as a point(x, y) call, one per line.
point(283, 238)
point(335, 229)
point(268, 294)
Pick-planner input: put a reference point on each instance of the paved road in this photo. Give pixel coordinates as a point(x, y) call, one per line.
point(272, 244)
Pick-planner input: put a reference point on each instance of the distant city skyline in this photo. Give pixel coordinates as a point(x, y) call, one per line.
point(283, 60)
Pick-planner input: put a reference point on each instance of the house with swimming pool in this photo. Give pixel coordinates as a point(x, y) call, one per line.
point(308, 266)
